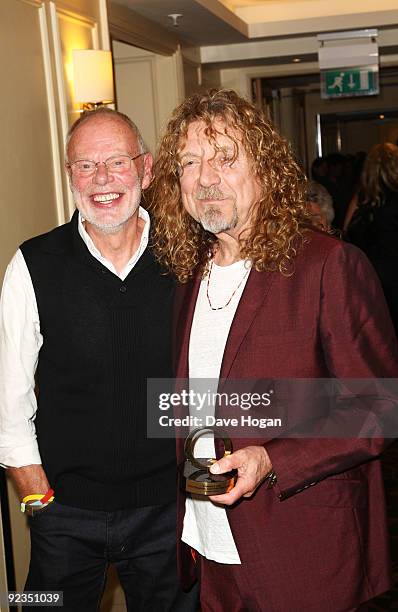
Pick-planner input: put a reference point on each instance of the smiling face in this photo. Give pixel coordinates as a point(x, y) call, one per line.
point(218, 186)
point(107, 199)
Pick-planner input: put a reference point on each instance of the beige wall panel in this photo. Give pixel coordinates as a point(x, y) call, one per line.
point(191, 77)
point(238, 79)
point(199, 78)
point(75, 33)
point(289, 112)
point(85, 27)
point(27, 205)
point(170, 87)
point(126, 52)
point(89, 8)
point(211, 77)
point(148, 87)
point(136, 96)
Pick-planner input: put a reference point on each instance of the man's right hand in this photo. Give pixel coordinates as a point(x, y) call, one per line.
point(29, 479)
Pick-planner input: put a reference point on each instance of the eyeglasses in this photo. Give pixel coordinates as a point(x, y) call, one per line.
point(115, 164)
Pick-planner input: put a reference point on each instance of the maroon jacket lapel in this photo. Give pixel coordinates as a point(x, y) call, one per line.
point(185, 307)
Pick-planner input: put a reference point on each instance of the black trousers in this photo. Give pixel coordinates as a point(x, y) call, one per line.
point(72, 548)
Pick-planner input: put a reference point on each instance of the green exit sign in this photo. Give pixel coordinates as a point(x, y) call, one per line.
point(344, 83)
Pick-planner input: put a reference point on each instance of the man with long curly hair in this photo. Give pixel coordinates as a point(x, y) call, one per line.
point(264, 296)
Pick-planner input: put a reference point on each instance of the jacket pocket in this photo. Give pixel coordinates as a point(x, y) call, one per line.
point(335, 492)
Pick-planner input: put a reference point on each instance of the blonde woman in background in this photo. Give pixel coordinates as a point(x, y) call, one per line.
point(378, 202)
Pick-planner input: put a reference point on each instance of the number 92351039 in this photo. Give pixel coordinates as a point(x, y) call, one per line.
point(32, 598)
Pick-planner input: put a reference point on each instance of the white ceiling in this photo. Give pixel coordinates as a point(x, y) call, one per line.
point(249, 30)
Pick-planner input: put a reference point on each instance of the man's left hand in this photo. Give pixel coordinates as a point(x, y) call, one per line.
point(253, 465)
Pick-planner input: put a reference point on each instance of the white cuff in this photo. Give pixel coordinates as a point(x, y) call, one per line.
point(20, 456)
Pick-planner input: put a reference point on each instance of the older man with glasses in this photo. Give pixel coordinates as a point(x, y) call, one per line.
point(83, 307)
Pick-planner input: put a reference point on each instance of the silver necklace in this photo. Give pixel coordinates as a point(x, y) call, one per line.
point(233, 293)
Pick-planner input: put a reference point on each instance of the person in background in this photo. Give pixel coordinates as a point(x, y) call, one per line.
point(377, 212)
point(86, 308)
point(319, 170)
point(360, 158)
point(263, 296)
point(321, 205)
point(338, 187)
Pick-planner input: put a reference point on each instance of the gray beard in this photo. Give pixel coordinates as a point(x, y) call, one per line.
point(105, 228)
point(213, 220)
point(109, 228)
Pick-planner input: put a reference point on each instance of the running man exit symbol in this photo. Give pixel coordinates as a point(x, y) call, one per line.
point(351, 82)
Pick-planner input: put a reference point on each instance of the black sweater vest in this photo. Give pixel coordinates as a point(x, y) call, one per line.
point(103, 337)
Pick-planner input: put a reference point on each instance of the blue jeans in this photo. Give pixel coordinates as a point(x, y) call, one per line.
point(72, 548)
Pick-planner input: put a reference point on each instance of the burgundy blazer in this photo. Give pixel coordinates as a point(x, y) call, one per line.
point(325, 546)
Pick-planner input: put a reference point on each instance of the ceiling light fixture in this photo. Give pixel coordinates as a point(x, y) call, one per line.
point(174, 18)
point(296, 60)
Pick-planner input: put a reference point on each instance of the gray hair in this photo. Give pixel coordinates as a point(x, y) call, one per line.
point(319, 194)
point(103, 110)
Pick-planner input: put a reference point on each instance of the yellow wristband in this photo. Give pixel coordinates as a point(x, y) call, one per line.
point(35, 497)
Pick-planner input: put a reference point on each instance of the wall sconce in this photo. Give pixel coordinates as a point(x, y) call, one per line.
point(93, 77)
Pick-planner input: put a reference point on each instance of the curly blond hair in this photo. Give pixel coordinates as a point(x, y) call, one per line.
point(280, 216)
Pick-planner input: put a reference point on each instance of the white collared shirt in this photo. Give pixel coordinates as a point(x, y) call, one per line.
point(20, 343)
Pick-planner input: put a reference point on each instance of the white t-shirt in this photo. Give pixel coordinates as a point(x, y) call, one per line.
point(206, 527)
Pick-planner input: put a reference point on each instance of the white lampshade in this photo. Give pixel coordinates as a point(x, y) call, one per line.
point(92, 75)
